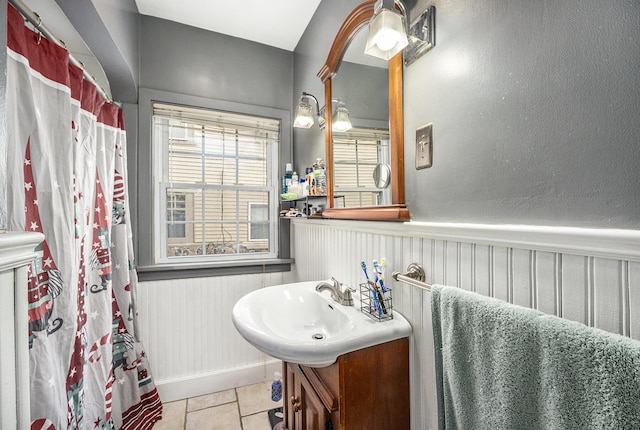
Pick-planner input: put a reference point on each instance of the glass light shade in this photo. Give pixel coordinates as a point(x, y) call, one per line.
point(387, 35)
point(340, 121)
point(304, 115)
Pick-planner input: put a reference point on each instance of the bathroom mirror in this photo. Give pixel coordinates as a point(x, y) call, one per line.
point(396, 210)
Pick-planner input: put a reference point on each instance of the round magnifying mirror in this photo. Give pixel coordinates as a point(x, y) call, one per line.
point(381, 175)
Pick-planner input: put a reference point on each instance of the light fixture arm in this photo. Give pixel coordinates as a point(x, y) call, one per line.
point(319, 113)
point(311, 96)
point(403, 11)
point(389, 4)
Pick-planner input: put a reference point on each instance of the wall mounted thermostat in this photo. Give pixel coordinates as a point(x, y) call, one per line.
point(424, 147)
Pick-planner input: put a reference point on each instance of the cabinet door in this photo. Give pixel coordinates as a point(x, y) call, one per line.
point(313, 415)
point(303, 408)
point(291, 398)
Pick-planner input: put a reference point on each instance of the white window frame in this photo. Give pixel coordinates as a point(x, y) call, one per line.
point(159, 156)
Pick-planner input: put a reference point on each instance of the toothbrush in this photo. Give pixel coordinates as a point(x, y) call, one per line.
point(383, 263)
point(374, 295)
point(371, 285)
point(377, 284)
point(364, 269)
point(379, 271)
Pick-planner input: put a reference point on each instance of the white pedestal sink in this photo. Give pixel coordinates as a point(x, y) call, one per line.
point(295, 323)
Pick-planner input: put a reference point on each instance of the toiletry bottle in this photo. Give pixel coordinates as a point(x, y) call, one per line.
point(320, 177)
point(316, 178)
point(294, 184)
point(286, 178)
point(323, 181)
point(303, 191)
point(309, 180)
point(276, 387)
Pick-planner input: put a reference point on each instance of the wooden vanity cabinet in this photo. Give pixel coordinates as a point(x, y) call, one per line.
point(366, 389)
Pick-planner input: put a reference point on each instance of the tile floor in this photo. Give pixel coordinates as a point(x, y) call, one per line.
point(243, 408)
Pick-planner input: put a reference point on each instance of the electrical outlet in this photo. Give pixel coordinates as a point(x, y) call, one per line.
point(424, 147)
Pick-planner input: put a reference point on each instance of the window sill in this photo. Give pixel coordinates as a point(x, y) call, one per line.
point(210, 269)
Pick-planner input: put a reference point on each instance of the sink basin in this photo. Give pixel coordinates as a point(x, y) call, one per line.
point(295, 323)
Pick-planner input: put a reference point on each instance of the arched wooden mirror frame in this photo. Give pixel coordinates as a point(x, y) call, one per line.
point(397, 210)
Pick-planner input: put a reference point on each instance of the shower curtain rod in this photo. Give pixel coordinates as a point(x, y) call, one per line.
point(36, 20)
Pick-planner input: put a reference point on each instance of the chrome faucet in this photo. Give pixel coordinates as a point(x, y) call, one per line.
point(337, 294)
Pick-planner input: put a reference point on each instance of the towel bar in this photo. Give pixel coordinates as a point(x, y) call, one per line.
point(415, 276)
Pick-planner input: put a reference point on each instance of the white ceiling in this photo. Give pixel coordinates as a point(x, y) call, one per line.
point(278, 23)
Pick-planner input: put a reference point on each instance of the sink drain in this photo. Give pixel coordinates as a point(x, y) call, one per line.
point(317, 336)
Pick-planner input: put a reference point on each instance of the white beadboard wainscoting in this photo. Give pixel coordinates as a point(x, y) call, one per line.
point(586, 275)
point(192, 344)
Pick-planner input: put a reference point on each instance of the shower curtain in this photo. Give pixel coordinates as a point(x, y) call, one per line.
point(67, 179)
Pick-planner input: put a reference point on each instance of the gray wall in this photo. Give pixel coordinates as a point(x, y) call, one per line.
point(110, 30)
point(535, 110)
point(534, 105)
point(187, 60)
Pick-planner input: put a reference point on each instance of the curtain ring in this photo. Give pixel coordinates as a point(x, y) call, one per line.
point(39, 37)
point(39, 20)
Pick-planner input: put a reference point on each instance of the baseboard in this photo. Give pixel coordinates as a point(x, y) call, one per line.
point(178, 389)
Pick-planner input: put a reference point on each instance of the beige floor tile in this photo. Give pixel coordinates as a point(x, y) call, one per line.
point(209, 400)
point(259, 421)
point(256, 398)
point(173, 415)
point(224, 417)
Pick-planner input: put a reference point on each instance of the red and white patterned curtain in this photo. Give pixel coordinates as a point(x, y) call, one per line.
point(67, 179)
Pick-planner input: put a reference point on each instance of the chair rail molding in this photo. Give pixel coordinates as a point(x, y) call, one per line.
point(595, 242)
point(17, 248)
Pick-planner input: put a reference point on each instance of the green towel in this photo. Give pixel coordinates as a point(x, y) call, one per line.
point(502, 366)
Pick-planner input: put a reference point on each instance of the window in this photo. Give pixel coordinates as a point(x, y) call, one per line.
point(214, 175)
point(355, 154)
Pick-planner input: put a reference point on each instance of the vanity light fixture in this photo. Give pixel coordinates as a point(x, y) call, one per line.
point(387, 31)
point(340, 121)
point(390, 32)
point(304, 115)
